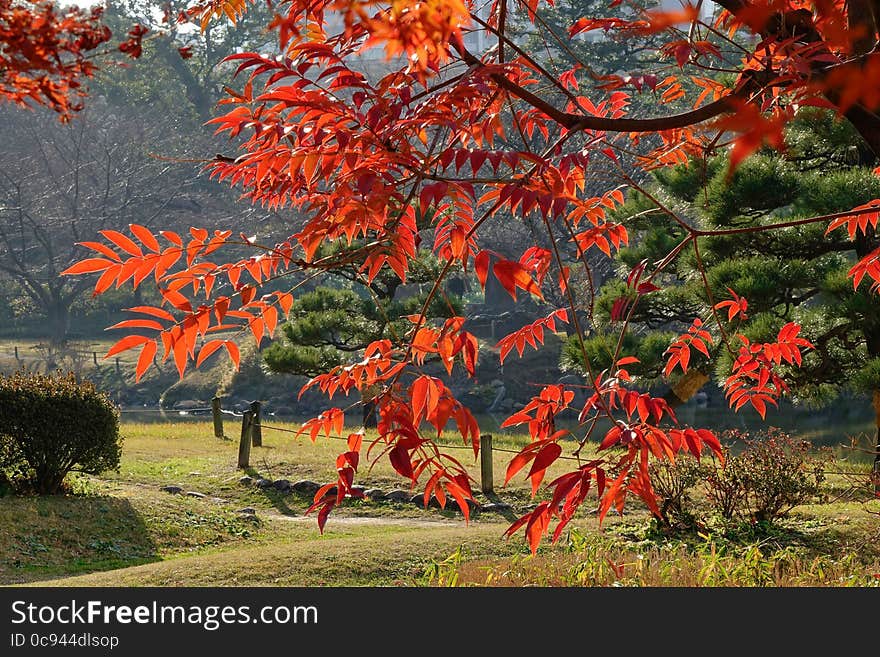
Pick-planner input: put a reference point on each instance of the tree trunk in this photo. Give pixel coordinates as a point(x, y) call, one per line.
point(368, 404)
point(369, 419)
point(875, 471)
point(687, 386)
point(58, 322)
point(196, 90)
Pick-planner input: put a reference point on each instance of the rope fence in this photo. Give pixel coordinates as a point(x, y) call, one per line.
point(166, 411)
point(252, 427)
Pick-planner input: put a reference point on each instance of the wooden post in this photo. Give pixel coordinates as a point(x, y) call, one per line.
point(256, 431)
point(118, 369)
point(244, 446)
point(95, 358)
point(16, 352)
point(487, 485)
point(875, 470)
point(218, 417)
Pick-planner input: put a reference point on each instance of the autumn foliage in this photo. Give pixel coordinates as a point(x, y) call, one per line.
point(45, 52)
point(462, 138)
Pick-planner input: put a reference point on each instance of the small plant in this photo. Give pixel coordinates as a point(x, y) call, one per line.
point(779, 473)
point(672, 482)
point(771, 476)
point(51, 425)
point(724, 486)
point(443, 573)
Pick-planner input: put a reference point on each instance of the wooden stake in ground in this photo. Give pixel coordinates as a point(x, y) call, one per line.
point(244, 446)
point(256, 431)
point(875, 472)
point(217, 412)
point(486, 475)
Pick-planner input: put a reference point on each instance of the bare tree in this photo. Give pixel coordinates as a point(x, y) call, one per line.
point(61, 184)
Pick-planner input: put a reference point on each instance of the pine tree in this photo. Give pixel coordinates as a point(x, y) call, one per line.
point(332, 325)
point(794, 274)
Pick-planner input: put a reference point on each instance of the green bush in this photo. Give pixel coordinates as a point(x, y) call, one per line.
point(51, 425)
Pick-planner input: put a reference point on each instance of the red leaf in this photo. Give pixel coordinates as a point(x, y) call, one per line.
point(513, 275)
point(543, 460)
point(399, 457)
point(481, 267)
point(519, 461)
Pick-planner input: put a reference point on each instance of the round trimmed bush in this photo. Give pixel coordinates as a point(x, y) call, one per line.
point(51, 425)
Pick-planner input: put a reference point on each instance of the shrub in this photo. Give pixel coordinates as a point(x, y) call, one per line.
point(51, 425)
point(773, 474)
point(779, 473)
point(672, 482)
point(724, 487)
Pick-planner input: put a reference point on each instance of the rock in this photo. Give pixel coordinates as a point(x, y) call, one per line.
point(452, 504)
point(418, 499)
point(305, 487)
point(246, 481)
point(189, 404)
point(174, 490)
point(360, 488)
point(398, 495)
point(264, 483)
point(375, 494)
point(499, 400)
point(282, 485)
point(250, 517)
point(192, 493)
point(496, 507)
point(195, 474)
point(249, 510)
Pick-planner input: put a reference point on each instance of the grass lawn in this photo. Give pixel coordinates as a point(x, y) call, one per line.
point(121, 529)
point(124, 530)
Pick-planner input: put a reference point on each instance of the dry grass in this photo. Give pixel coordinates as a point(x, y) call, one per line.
point(597, 561)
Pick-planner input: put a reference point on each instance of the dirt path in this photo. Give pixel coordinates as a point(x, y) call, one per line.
point(134, 488)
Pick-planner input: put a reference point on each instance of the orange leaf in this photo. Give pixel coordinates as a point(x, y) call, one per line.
point(103, 249)
point(207, 349)
point(145, 236)
point(137, 323)
point(285, 300)
point(152, 310)
point(87, 266)
point(513, 275)
point(123, 242)
point(126, 343)
point(145, 359)
point(232, 348)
